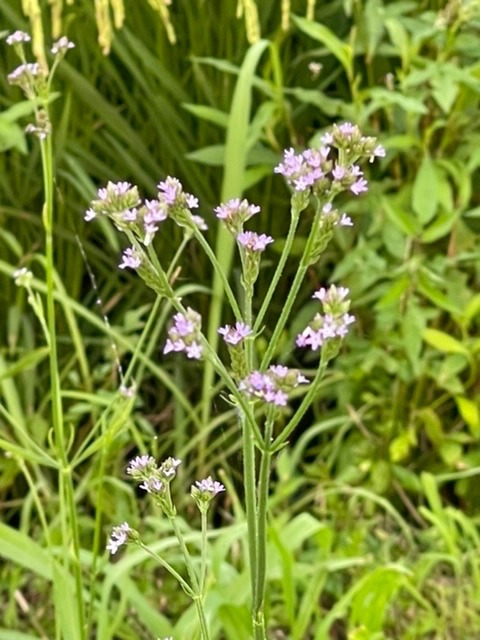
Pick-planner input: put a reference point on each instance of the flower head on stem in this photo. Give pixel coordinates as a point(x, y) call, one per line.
point(185, 334)
point(272, 386)
point(235, 213)
point(203, 492)
point(333, 324)
point(120, 535)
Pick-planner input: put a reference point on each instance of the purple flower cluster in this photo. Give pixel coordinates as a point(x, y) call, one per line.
point(18, 37)
point(253, 241)
point(122, 204)
point(272, 386)
point(316, 171)
point(131, 259)
point(119, 536)
point(234, 335)
point(155, 479)
point(203, 492)
point(184, 334)
point(333, 323)
point(235, 213)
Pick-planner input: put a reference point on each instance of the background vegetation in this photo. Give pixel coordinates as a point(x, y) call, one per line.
point(375, 504)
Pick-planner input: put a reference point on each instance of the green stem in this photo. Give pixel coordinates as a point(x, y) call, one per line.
point(304, 405)
point(198, 593)
point(182, 582)
point(203, 572)
point(220, 271)
point(261, 534)
point(249, 478)
point(292, 295)
point(68, 510)
point(279, 270)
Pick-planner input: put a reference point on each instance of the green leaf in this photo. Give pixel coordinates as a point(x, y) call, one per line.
point(25, 362)
point(12, 136)
point(342, 52)
point(23, 551)
point(209, 114)
point(371, 600)
point(443, 342)
point(213, 155)
point(424, 195)
point(401, 218)
point(469, 411)
point(450, 452)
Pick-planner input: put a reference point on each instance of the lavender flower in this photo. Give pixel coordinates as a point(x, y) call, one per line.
point(118, 201)
point(272, 386)
point(334, 322)
point(142, 466)
point(235, 213)
point(235, 335)
point(61, 46)
point(17, 37)
point(131, 259)
point(179, 203)
point(185, 334)
point(120, 535)
point(25, 73)
point(203, 492)
point(212, 487)
point(253, 241)
point(305, 171)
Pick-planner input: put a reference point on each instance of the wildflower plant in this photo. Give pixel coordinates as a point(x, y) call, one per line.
point(258, 388)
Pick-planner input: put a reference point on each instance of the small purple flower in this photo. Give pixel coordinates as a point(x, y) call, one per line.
point(234, 335)
point(303, 171)
point(24, 73)
point(203, 492)
point(153, 485)
point(253, 241)
point(131, 259)
point(360, 186)
point(119, 536)
point(378, 152)
point(333, 323)
point(62, 46)
point(209, 486)
point(17, 37)
point(141, 465)
point(345, 221)
point(235, 213)
point(272, 386)
point(168, 468)
point(185, 334)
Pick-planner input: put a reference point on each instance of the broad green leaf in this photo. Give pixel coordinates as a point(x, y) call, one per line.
point(450, 452)
point(432, 424)
point(443, 342)
point(342, 52)
point(424, 195)
point(213, 155)
point(440, 227)
point(470, 413)
point(404, 220)
point(25, 362)
point(209, 114)
point(21, 550)
point(371, 600)
point(385, 98)
point(12, 136)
